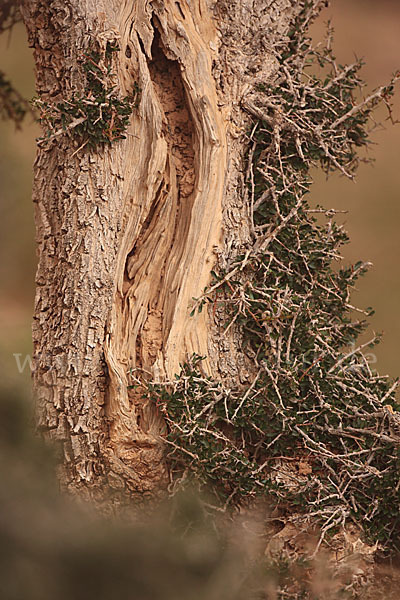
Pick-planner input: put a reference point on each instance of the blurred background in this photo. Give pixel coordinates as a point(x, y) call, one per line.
point(370, 30)
point(363, 28)
point(17, 234)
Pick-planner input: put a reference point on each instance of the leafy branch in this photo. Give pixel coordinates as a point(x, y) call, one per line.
point(97, 117)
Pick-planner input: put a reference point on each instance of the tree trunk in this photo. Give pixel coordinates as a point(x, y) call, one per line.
point(128, 234)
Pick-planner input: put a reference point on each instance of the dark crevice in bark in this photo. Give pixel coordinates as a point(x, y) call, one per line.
point(141, 45)
point(179, 7)
point(178, 126)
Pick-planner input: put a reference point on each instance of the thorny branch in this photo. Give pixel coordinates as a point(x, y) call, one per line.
point(313, 398)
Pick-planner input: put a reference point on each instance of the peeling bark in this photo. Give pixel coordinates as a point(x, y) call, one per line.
point(128, 235)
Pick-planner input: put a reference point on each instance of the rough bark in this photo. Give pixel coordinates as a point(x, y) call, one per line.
point(127, 235)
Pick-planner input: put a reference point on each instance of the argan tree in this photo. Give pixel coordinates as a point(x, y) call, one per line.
point(190, 318)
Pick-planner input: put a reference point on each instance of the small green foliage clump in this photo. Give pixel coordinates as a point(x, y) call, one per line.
point(315, 428)
point(97, 116)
